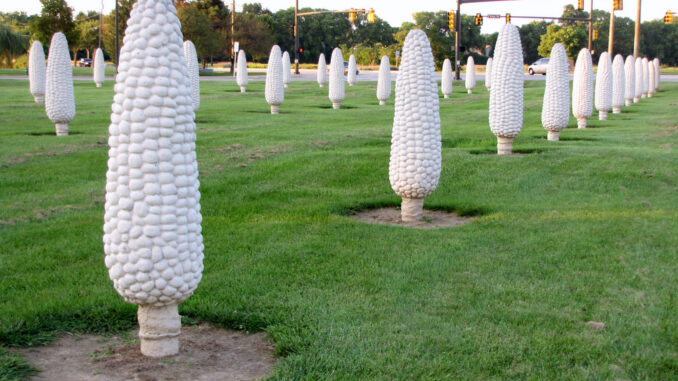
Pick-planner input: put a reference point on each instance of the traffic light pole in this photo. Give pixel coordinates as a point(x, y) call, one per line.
point(591, 27)
point(457, 37)
point(610, 44)
point(636, 39)
point(296, 38)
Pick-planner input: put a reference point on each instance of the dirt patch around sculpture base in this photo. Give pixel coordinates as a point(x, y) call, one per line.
point(391, 216)
point(206, 353)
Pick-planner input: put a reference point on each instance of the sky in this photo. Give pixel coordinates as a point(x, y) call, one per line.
point(397, 14)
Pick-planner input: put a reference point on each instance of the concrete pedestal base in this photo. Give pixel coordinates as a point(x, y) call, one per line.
point(243, 89)
point(602, 115)
point(412, 209)
point(285, 85)
point(321, 84)
point(98, 84)
point(39, 99)
point(446, 96)
point(62, 129)
point(581, 122)
point(616, 110)
point(382, 103)
point(504, 145)
point(643, 95)
point(470, 91)
point(336, 105)
point(553, 136)
point(275, 109)
point(628, 102)
point(636, 99)
point(649, 95)
point(159, 330)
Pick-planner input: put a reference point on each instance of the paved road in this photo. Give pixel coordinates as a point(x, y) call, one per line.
point(310, 75)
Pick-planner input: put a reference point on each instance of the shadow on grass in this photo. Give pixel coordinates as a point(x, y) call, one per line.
point(569, 139)
point(53, 133)
point(267, 112)
point(330, 106)
point(516, 152)
point(461, 210)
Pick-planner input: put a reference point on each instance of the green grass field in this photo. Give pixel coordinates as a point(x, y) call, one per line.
point(581, 230)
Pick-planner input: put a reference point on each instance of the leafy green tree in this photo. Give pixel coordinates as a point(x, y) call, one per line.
point(17, 21)
point(87, 27)
point(254, 36)
point(55, 16)
point(530, 38)
point(12, 44)
point(442, 39)
point(197, 27)
point(659, 40)
point(573, 38)
point(571, 12)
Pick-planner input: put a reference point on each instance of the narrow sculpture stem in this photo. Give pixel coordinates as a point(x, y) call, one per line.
point(243, 89)
point(412, 209)
point(581, 122)
point(336, 105)
point(40, 99)
point(159, 330)
point(504, 145)
point(616, 110)
point(629, 102)
point(62, 129)
point(470, 91)
point(554, 136)
point(636, 99)
point(275, 109)
point(382, 103)
point(602, 115)
point(446, 96)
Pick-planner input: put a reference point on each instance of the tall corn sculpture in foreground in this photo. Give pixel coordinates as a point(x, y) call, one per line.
point(384, 81)
point(619, 84)
point(630, 80)
point(337, 89)
point(470, 75)
point(446, 80)
point(506, 97)
point(241, 75)
point(582, 88)
point(152, 233)
point(59, 97)
point(99, 72)
point(275, 89)
point(414, 168)
point(556, 109)
point(604, 86)
point(322, 71)
point(37, 71)
point(193, 72)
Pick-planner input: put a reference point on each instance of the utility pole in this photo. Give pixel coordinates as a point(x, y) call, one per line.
point(636, 39)
point(233, 37)
point(610, 44)
point(117, 38)
point(296, 38)
point(457, 41)
point(101, 21)
point(591, 28)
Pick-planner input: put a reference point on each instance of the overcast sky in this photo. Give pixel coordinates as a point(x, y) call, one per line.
point(395, 13)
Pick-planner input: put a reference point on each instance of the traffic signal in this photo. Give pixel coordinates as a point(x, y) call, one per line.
point(617, 5)
point(479, 19)
point(294, 31)
point(371, 16)
point(580, 4)
point(508, 18)
point(450, 20)
point(595, 34)
point(352, 15)
point(301, 50)
point(668, 18)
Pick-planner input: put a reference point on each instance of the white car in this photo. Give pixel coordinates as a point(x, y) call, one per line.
point(539, 67)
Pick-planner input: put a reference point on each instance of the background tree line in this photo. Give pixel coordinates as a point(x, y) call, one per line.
point(208, 24)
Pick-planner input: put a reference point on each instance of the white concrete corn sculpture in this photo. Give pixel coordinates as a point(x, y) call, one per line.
point(59, 97)
point(152, 233)
point(99, 74)
point(646, 77)
point(555, 112)
point(618, 86)
point(506, 97)
point(241, 76)
point(384, 81)
point(651, 77)
point(337, 91)
point(446, 80)
point(470, 75)
point(286, 69)
point(604, 86)
point(639, 79)
point(37, 72)
point(414, 168)
point(193, 72)
point(275, 89)
point(352, 68)
point(657, 73)
point(582, 88)
point(630, 80)
point(488, 74)
point(322, 71)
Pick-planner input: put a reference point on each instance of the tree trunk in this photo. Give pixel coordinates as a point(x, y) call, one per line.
point(75, 57)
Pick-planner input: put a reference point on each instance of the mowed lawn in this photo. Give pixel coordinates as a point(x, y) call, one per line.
point(585, 229)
